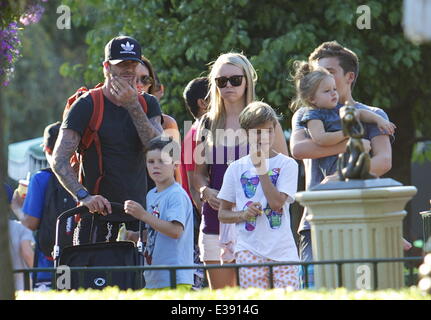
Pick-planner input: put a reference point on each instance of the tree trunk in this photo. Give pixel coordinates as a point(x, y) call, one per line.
point(402, 150)
point(7, 289)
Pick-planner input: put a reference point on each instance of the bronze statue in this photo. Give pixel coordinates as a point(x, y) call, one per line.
point(355, 162)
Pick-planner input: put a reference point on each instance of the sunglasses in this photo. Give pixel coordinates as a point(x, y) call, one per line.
point(253, 180)
point(235, 81)
point(146, 80)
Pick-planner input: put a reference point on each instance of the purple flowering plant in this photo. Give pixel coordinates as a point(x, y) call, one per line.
point(11, 11)
point(9, 51)
point(32, 15)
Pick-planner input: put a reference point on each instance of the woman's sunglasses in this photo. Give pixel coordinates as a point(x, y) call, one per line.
point(146, 80)
point(235, 81)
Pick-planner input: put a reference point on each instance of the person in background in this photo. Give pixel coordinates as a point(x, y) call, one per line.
point(159, 88)
point(21, 246)
point(32, 210)
point(195, 98)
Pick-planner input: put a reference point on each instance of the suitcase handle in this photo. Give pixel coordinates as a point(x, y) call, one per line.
point(117, 215)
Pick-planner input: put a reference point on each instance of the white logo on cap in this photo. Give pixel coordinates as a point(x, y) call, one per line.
point(128, 48)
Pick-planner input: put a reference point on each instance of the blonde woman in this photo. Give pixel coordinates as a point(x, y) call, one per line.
point(220, 142)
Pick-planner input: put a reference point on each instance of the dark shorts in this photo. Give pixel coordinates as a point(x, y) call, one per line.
point(306, 254)
point(305, 249)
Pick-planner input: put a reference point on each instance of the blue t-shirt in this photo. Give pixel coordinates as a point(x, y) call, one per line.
point(172, 204)
point(314, 168)
point(331, 123)
point(329, 117)
point(34, 201)
point(33, 206)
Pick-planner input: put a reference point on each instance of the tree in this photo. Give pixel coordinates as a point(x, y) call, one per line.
point(6, 277)
point(37, 94)
point(27, 12)
point(8, 53)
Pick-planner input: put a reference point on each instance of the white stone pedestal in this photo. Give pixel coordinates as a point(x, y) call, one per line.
point(357, 224)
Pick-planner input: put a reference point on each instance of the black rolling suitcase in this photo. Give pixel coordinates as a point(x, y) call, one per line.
point(101, 254)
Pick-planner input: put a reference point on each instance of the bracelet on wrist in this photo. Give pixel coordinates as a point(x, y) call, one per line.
point(241, 217)
point(201, 193)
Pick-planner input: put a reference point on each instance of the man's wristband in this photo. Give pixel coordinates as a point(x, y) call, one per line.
point(81, 194)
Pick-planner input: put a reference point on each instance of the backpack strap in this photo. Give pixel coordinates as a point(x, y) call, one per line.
point(143, 103)
point(90, 135)
point(49, 191)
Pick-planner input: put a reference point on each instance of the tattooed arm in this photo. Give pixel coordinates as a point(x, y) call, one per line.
point(67, 143)
point(147, 128)
point(156, 122)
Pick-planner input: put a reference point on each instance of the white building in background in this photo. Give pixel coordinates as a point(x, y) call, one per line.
point(24, 157)
point(417, 20)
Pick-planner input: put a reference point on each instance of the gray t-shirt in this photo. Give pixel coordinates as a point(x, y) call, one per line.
point(331, 122)
point(314, 173)
point(17, 234)
point(171, 204)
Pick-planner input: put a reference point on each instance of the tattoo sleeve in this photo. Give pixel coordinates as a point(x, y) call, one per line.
point(67, 143)
point(156, 122)
point(147, 128)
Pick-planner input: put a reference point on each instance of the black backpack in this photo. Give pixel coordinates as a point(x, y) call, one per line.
point(57, 200)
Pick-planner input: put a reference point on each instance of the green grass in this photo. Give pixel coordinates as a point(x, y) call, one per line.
point(412, 293)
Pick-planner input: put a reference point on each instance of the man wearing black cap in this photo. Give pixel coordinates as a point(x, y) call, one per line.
point(124, 132)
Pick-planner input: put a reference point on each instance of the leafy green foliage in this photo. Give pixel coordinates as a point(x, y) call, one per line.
point(182, 37)
point(37, 93)
point(11, 10)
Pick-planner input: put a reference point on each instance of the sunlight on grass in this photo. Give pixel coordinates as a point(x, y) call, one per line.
point(412, 293)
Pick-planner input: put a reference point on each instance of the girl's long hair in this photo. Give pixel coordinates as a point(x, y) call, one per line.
point(217, 111)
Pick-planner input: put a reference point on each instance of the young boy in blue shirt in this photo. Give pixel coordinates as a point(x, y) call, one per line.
point(169, 216)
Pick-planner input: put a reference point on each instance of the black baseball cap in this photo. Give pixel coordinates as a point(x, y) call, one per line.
point(50, 135)
point(121, 49)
